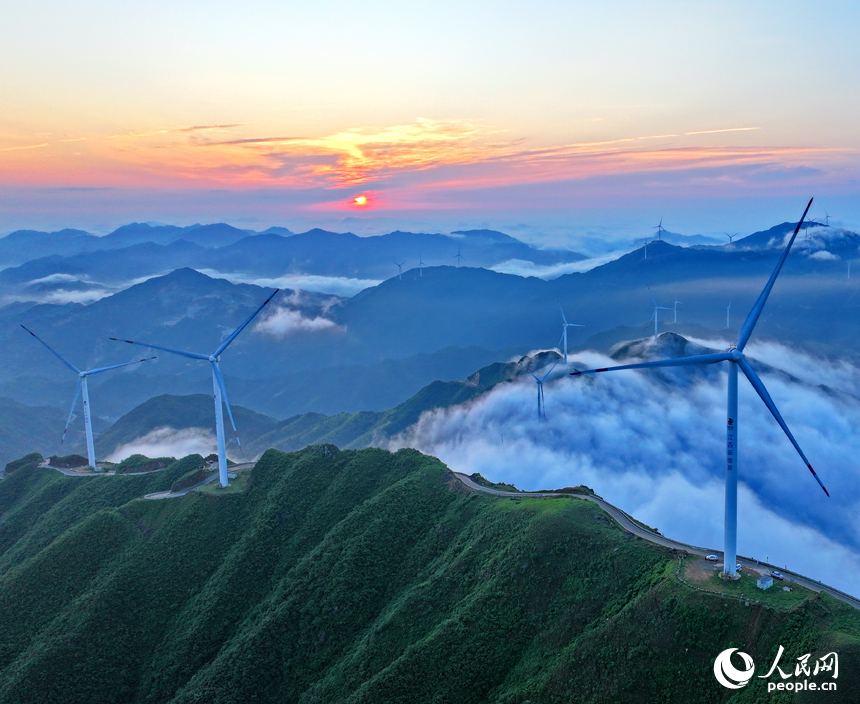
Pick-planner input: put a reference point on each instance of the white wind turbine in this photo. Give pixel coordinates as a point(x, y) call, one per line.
point(660, 229)
point(676, 310)
point(654, 314)
point(400, 268)
point(540, 381)
point(728, 313)
point(458, 256)
point(83, 390)
point(217, 384)
point(735, 357)
point(564, 326)
point(421, 266)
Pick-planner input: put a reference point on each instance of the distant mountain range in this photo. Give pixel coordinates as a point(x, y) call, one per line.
point(71, 261)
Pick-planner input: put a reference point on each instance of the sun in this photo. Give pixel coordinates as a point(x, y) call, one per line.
point(360, 200)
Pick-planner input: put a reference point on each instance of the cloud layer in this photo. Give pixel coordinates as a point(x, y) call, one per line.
point(653, 444)
point(168, 442)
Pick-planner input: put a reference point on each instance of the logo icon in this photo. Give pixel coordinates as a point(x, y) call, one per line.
point(728, 675)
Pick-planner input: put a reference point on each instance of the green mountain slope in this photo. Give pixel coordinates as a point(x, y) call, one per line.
point(361, 576)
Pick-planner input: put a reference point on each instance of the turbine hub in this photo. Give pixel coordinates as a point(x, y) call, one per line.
point(212, 358)
point(737, 355)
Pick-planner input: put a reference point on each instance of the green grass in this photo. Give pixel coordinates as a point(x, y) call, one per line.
point(745, 589)
point(360, 577)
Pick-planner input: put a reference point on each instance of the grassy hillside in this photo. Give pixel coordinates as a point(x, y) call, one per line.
point(361, 576)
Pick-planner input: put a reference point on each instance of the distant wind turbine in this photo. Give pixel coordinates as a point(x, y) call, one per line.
point(421, 266)
point(728, 312)
point(826, 219)
point(83, 390)
point(541, 401)
point(676, 310)
point(564, 326)
point(735, 356)
point(217, 385)
point(731, 237)
point(660, 229)
point(400, 268)
point(458, 256)
point(654, 314)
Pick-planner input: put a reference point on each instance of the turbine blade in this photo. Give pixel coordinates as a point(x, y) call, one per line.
point(55, 353)
point(191, 355)
point(679, 362)
point(758, 385)
point(652, 297)
point(117, 366)
point(752, 318)
point(235, 333)
point(543, 379)
point(226, 402)
point(532, 373)
point(72, 412)
point(562, 312)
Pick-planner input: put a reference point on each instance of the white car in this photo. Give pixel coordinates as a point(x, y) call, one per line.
point(739, 567)
point(712, 558)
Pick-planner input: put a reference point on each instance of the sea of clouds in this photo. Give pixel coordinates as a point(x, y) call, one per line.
point(653, 443)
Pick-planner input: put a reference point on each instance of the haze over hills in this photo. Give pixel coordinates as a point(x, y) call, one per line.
point(137, 251)
point(400, 329)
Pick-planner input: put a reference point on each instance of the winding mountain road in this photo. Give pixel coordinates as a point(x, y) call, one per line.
point(630, 525)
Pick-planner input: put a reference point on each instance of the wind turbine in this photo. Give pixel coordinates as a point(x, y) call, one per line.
point(421, 266)
point(676, 310)
point(654, 314)
point(83, 390)
point(564, 326)
point(731, 237)
point(735, 356)
point(541, 402)
point(217, 384)
point(399, 269)
point(728, 312)
point(458, 256)
point(826, 219)
point(659, 227)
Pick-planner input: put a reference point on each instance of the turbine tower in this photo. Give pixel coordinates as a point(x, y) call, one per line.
point(458, 256)
point(735, 357)
point(83, 390)
point(399, 269)
point(540, 398)
point(654, 314)
point(564, 326)
point(217, 385)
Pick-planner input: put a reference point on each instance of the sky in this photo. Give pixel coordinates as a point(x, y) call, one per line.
point(543, 121)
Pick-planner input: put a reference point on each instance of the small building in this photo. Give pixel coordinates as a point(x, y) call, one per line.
point(764, 582)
